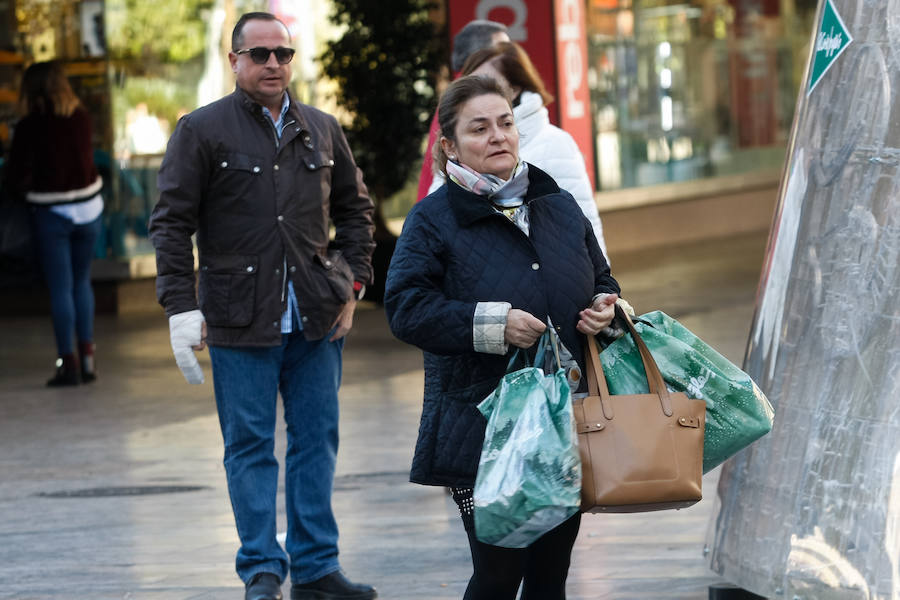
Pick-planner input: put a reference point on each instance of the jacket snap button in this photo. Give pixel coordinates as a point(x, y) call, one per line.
point(327, 263)
point(256, 169)
point(274, 323)
point(275, 167)
point(293, 269)
point(304, 319)
point(280, 218)
point(330, 163)
point(224, 163)
point(249, 269)
point(311, 165)
point(535, 266)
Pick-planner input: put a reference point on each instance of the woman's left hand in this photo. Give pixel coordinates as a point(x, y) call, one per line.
point(599, 315)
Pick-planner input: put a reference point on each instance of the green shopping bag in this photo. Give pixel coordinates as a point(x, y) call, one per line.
point(737, 412)
point(529, 474)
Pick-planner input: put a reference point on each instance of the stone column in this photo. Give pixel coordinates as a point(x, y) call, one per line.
point(812, 511)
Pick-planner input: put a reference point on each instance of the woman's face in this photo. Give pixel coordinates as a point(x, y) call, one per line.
point(486, 136)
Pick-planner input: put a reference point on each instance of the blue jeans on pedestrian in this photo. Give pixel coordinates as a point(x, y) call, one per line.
point(65, 251)
point(247, 381)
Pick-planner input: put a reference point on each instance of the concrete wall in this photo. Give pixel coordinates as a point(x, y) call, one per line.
point(635, 219)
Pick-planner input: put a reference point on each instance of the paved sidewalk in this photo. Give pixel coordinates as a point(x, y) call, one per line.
point(117, 490)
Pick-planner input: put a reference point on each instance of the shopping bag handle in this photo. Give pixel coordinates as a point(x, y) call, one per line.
point(539, 354)
point(597, 379)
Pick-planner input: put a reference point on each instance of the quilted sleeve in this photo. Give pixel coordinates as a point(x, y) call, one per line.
point(418, 311)
point(603, 279)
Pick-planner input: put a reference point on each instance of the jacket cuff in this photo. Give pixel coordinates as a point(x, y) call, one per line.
point(489, 327)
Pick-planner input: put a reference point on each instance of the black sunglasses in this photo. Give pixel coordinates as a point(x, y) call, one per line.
point(260, 54)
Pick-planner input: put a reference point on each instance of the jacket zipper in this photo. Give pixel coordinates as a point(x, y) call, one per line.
point(284, 259)
point(284, 278)
point(274, 131)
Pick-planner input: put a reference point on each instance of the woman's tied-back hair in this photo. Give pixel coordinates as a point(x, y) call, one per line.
point(511, 61)
point(46, 90)
point(452, 100)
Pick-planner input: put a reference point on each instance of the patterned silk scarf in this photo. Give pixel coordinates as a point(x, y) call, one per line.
point(502, 193)
point(507, 197)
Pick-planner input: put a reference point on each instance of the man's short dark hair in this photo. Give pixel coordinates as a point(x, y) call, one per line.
point(237, 34)
point(474, 36)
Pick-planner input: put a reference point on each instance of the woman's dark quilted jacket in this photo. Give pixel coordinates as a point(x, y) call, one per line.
point(456, 251)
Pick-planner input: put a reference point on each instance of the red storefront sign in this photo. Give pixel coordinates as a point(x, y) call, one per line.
point(530, 25)
point(571, 63)
point(552, 32)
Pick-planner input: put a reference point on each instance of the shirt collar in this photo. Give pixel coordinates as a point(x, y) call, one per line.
point(285, 105)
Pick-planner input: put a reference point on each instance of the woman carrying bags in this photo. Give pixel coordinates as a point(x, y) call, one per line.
point(481, 265)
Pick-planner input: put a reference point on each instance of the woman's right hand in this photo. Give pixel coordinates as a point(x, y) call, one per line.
point(523, 329)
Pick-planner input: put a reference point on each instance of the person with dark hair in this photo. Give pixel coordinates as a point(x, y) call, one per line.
point(51, 166)
point(482, 265)
point(540, 142)
point(261, 179)
point(475, 35)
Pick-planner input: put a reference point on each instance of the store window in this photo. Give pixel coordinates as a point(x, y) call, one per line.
point(71, 31)
point(683, 90)
point(138, 66)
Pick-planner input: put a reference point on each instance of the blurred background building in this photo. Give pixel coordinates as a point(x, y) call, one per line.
point(682, 108)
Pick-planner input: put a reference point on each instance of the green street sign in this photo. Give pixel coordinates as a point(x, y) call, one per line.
point(832, 39)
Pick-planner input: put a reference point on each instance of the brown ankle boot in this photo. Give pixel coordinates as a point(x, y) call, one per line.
point(66, 371)
point(86, 354)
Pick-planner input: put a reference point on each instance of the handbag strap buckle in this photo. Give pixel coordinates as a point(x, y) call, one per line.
point(693, 422)
point(589, 427)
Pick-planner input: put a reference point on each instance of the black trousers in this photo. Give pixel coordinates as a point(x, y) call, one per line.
point(544, 565)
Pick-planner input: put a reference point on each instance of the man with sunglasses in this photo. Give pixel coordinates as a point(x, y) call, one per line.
point(260, 178)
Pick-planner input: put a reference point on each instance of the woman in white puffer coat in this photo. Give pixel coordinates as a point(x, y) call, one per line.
point(541, 143)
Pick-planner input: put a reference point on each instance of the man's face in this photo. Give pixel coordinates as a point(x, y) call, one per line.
point(264, 83)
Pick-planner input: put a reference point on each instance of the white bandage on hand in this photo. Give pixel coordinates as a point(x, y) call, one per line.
point(185, 331)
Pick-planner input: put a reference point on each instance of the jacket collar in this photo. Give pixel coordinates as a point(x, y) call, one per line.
point(256, 109)
point(531, 116)
point(469, 207)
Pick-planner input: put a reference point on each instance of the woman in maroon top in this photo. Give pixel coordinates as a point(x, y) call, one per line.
point(51, 167)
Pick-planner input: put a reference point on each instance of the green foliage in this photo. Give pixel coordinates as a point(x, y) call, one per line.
point(166, 31)
point(385, 66)
point(164, 98)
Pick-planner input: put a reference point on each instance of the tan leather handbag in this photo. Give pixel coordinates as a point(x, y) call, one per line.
point(640, 452)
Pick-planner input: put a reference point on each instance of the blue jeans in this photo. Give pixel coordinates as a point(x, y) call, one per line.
point(65, 251)
point(246, 382)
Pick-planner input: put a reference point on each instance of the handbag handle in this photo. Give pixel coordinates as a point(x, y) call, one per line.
point(597, 379)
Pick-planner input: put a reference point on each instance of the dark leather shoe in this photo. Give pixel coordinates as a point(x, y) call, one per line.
point(263, 586)
point(333, 586)
point(66, 372)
